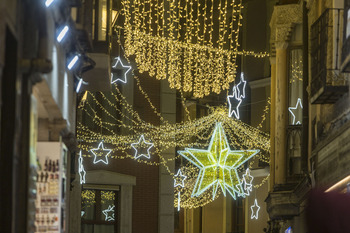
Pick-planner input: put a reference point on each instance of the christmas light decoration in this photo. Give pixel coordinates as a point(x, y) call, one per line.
point(293, 111)
point(180, 177)
point(125, 70)
point(80, 83)
point(234, 102)
point(288, 230)
point(218, 165)
point(97, 151)
point(81, 169)
point(82, 213)
point(185, 43)
point(247, 182)
point(142, 144)
point(62, 33)
point(255, 210)
point(178, 201)
point(196, 133)
point(109, 213)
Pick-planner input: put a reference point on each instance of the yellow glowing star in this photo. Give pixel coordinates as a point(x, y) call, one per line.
point(218, 165)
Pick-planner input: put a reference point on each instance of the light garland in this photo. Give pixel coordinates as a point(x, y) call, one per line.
point(100, 115)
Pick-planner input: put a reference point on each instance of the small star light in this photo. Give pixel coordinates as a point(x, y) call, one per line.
point(101, 150)
point(294, 110)
point(247, 182)
point(180, 177)
point(234, 103)
point(218, 165)
point(241, 87)
point(81, 169)
point(120, 70)
point(140, 147)
point(255, 210)
point(109, 213)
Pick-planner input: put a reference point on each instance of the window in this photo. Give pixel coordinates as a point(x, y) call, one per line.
point(99, 209)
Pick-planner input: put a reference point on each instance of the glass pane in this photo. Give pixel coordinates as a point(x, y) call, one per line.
point(295, 87)
point(88, 203)
point(104, 229)
point(87, 228)
point(107, 206)
point(102, 24)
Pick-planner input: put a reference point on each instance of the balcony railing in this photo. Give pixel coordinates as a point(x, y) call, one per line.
point(328, 84)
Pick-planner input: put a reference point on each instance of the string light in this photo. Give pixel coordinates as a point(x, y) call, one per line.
point(194, 133)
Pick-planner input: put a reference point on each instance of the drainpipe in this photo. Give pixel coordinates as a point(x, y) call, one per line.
point(305, 126)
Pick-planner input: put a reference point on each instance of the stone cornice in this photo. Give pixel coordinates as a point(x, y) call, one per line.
point(283, 19)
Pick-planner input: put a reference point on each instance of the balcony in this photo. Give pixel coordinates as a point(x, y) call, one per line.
point(328, 84)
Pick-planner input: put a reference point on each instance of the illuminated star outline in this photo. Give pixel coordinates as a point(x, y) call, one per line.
point(150, 145)
point(179, 176)
point(218, 165)
point(248, 187)
point(81, 169)
point(106, 213)
point(239, 88)
point(291, 109)
point(118, 60)
point(105, 160)
point(233, 97)
point(255, 214)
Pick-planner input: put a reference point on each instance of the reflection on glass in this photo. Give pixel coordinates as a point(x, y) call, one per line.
point(102, 24)
point(88, 204)
point(107, 205)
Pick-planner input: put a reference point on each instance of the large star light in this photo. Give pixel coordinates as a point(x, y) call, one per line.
point(218, 165)
point(101, 154)
point(120, 70)
point(294, 110)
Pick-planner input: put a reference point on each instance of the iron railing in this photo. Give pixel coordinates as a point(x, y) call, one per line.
point(328, 84)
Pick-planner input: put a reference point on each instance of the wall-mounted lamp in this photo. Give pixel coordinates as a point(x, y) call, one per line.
point(62, 33)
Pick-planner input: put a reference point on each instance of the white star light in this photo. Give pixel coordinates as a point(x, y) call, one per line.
point(241, 86)
point(106, 151)
point(148, 146)
point(182, 178)
point(248, 187)
point(256, 211)
point(234, 103)
point(292, 109)
point(109, 216)
point(127, 68)
point(81, 169)
point(235, 100)
point(178, 201)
